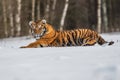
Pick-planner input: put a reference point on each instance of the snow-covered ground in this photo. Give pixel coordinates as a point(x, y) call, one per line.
point(59, 63)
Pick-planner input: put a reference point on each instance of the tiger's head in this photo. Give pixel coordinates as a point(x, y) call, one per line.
point(38, 28)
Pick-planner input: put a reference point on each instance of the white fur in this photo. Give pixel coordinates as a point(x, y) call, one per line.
point(44, 21)
point(30, 23)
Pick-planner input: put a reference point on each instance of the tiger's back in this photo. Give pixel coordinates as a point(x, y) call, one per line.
point(77, 37)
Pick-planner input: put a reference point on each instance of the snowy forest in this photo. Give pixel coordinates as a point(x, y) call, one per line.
point(99, 15)
point(98, 62)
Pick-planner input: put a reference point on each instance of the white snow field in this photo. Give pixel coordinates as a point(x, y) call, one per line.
point(59, 63)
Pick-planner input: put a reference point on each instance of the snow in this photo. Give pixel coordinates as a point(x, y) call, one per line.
point(59, 63)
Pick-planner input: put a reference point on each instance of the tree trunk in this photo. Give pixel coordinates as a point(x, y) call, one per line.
point(105, 18)
point(99, 16)
point(111, 15)
point(11, 19)
point(38, 9)
point(5, 17)
point(64, 14)
point(18, 15)
point(33, 10)
point(47, 10)
point(53, 10)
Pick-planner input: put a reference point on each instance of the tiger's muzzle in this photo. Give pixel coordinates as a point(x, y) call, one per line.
point(38, 36)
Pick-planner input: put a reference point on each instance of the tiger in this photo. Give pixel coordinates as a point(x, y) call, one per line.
point(47, 36)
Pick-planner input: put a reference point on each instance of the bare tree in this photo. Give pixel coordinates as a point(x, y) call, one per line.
point(53, 10)
point(18, 17)
point(5, 17)
point(38, 9)
point(105, 18)
point(33, 10)
point(47, 10)
point(11, 19)
point(111, 14)
point(99, 16)
point(64, 14)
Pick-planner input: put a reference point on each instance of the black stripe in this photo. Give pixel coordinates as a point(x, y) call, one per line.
point(63, 42)
point(56, 39)
point(62, 37)
point(69, 41)
point(77, 37)
point(86, 33)
point(80, 41)
point(71, 37)
point(80, 33)
point(41, 45)
point(52, 36)
point(74, 38)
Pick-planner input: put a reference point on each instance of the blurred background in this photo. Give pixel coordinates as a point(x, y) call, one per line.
point(102, 16)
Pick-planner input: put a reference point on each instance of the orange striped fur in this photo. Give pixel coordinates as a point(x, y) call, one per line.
point(47, 36)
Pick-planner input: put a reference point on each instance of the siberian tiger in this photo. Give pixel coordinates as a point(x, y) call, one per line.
point(47, 36)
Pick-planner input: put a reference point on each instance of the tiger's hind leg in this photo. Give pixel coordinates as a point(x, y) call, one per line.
point(89, 42)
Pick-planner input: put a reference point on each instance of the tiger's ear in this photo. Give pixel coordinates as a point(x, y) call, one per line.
point(32, 24)
point(44, 21)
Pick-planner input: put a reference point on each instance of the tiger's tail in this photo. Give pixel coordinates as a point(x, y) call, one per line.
point(101, 41)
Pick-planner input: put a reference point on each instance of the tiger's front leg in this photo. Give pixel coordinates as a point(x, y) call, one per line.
point(31, 45)
point(36, 44)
